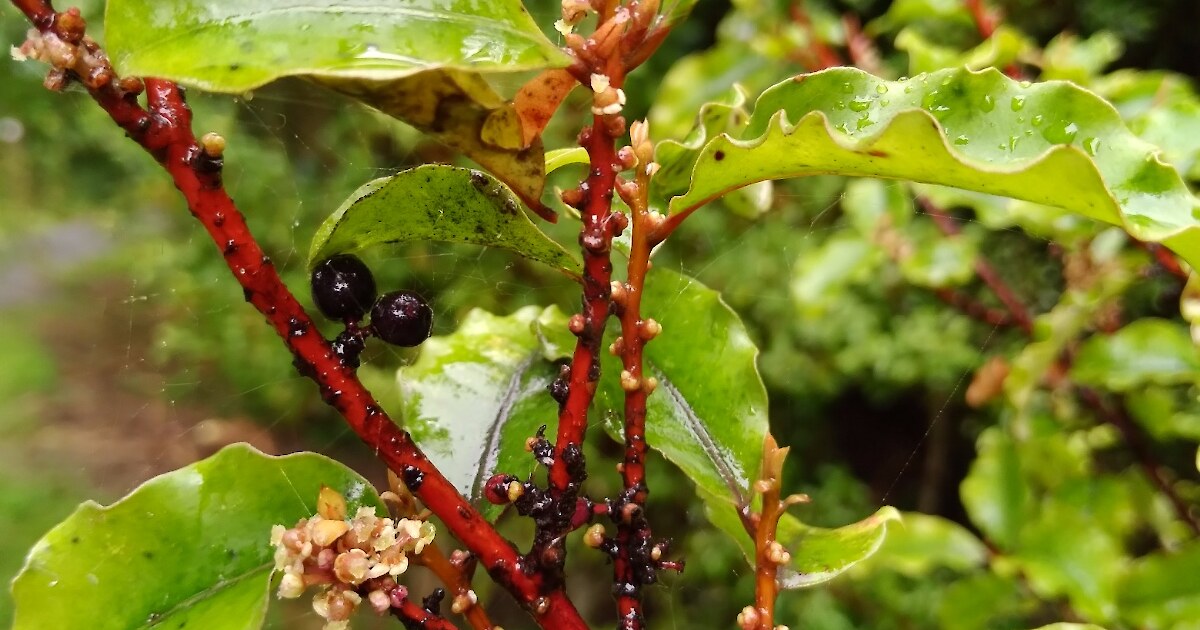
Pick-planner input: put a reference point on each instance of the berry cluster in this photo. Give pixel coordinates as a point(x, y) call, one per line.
point(344, 289)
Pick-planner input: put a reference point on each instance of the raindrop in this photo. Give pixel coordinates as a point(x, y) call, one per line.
point(860, 104)
point(988, 103)
point(961, 140)
point(1091, 145)
point(1061, 133)
point(1036, 120)
point(1017, 103)
point(882, 88)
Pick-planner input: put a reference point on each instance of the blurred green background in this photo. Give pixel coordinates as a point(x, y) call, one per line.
point(127, 350)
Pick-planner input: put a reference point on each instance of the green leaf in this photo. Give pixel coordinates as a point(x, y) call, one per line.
point(1063, 625)
point(822, 554)
point(189, 548)
point(675, 10)
point(818, 554)
point(995, 493)
point(1147, 351)
point(676, 159)
point(1161, 590)
point(924, 542)
point(417, 61)
point(436, 203)
point(472, 398)
point(1051, 143)
point(559, 158)
point(238, 45)
point(709, 413)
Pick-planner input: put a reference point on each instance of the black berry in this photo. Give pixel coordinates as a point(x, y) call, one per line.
point(401, 318)
point(343, 288)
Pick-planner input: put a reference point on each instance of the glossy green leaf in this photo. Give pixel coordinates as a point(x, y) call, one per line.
point(1005, 46)
point(1063, 625)
point(238, 45)
point(1147, 351)
point(418, 61)
point(818, 554)
point(436, 203)
point(189, 548)
point(1161, 589)
point(923, 542)
point(1051, 143)
point(473, 397)
point(709, 413)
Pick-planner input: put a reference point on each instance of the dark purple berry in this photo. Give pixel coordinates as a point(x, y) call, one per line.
point(401, 318)
point(343, 288)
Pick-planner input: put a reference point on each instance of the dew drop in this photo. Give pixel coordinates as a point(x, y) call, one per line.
point(1091, 145)
point(1061, 133)
point(1017, 103)
point(882, 88)
point(961, 140)
point(1036, 120)
point(860, 104)
point(987, 103)
point(848, 87)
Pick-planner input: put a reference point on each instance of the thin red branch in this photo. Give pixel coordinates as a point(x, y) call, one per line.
point(819, 55)
point(412, 615)
point(633, 566)
point(1139, 444)
point(163, 128)
point(1164, 258)
point(1017, 310)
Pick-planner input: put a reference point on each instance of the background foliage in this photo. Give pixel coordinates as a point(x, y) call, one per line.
point(129, 352)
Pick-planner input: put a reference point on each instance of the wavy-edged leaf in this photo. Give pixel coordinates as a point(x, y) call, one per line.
point(709, 413)
point(1147, 351)
point(1051, 143)
point(238, 45)
point(473, 397)
point(676, 159)
point(417, 61)
point(437, 203)
point(189, 548)
point(818, 554)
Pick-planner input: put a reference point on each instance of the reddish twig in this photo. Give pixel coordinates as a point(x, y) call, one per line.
point(985, 20)
point(861, 49)
point(1138, 443)
point(763, 527)
point(163, 128)
point(973, 308)
point(412, 615)
point(820, 55)
point(633, 566)
point(1017, 310)
point(1164, 258)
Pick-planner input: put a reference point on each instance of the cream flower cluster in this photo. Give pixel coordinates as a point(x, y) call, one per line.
point(346, 557)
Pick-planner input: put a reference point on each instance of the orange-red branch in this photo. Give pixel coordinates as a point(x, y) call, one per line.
point(163, 129)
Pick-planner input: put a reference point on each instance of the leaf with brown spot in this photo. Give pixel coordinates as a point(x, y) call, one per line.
point(538, 99)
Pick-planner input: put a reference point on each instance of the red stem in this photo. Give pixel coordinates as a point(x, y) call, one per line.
point(633, 567)
point(1016, 308)
point(164, 130)
point(413, 616)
